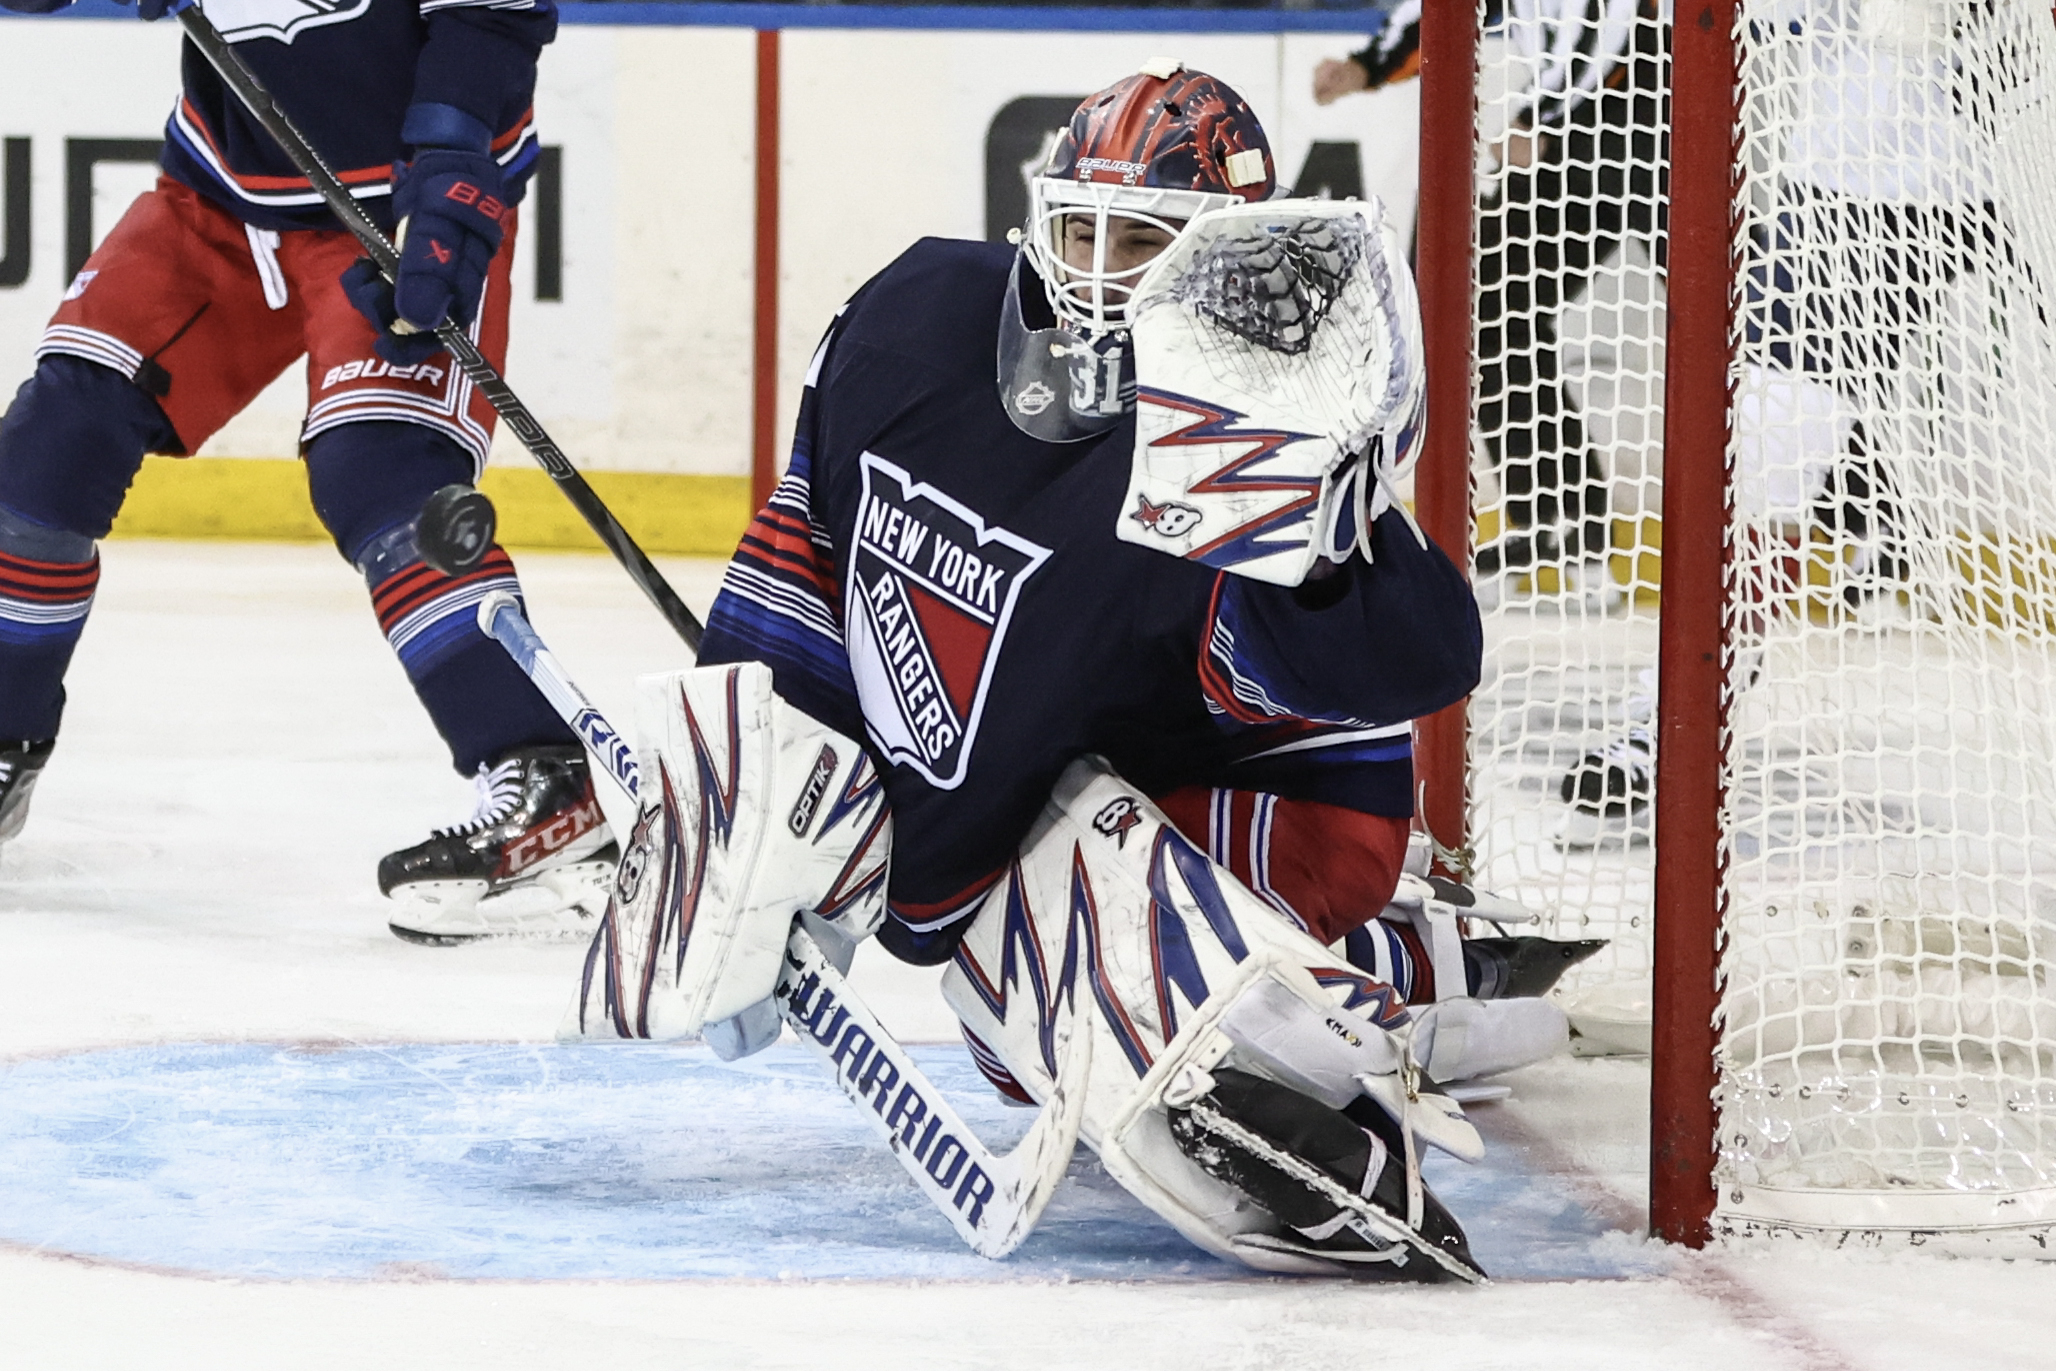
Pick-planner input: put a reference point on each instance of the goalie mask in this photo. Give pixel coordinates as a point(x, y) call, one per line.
point(1138, 162)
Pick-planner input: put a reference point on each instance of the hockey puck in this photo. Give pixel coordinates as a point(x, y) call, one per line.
point(455, 529)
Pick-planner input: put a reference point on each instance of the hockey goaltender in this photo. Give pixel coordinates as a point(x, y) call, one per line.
point(1132, 642)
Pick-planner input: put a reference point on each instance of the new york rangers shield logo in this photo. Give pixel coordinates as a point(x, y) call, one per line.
point(932, 590)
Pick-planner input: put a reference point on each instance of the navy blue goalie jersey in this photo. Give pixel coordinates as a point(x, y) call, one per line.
point(932, 580)
point(347, 73)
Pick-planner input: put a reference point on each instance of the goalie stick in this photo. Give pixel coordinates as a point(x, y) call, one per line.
point(201, 32)
point(992, 1200)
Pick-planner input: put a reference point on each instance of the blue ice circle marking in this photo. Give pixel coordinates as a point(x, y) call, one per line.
point(588, 1162)
point(512, 1161)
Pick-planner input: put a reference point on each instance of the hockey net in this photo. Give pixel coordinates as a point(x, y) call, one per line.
point(1886, 1035)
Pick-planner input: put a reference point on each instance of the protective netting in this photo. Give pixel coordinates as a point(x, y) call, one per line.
point(1572, 130)
point(1888, 1053)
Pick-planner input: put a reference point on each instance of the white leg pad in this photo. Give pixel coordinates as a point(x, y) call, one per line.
point(1110, 913)
point(751, 813)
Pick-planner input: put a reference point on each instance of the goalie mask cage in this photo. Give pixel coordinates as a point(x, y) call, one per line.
point(1742, 370)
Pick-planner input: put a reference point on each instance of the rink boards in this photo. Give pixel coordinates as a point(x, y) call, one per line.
point(640, 288)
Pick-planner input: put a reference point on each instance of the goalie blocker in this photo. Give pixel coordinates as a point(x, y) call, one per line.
point(1109, 924)
point(750, 813)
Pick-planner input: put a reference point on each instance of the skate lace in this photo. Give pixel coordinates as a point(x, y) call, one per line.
point(498, 792)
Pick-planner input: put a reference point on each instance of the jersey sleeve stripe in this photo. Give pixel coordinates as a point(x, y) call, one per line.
point(780, 597)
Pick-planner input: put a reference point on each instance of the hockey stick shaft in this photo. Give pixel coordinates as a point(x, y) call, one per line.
point(472, 362)
point(992, 1200)
point(500, 617)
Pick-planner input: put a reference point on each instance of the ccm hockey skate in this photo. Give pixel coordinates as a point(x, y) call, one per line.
point(534, 861)
point(1343, 1186)
point(21, 763)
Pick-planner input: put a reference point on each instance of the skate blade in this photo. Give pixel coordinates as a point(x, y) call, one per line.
point(562, 903)
point(15, 816)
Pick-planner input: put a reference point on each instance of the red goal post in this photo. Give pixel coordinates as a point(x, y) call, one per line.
point(1681, 1092)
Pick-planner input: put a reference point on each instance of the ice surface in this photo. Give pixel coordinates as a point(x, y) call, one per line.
point(195, 888)
point(542, 1161)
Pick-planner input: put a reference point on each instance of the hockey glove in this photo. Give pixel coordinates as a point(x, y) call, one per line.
point(452, 217)
point(372, 294)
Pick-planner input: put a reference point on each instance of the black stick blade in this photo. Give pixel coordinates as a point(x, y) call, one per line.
point(455, 529)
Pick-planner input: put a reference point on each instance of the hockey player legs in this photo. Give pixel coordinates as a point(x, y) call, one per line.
point(1192, 975)
point(211, 286)
point(179, 319)
point(1282, 997)
point(1844, 277)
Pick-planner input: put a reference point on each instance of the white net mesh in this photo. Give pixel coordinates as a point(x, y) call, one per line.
point(1891, 818)
point(1888, 1057)
point(1567, 446)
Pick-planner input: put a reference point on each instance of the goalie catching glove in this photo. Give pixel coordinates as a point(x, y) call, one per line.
point(1279, 387)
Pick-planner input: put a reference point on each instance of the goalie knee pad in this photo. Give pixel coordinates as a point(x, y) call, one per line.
point(751, 814)
point(1111, 922)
